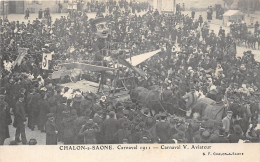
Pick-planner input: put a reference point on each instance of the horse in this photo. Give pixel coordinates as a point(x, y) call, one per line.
point(207, 108)
point(158, 100)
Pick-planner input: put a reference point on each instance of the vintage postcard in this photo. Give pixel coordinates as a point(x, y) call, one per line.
point(129, 80)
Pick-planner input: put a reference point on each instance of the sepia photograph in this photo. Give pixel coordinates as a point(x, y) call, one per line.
point(88, 74)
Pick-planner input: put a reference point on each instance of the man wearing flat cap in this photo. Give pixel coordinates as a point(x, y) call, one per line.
point(227, 122)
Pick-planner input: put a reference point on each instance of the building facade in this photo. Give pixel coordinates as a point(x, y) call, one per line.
point(163, 5)
point(19, 7)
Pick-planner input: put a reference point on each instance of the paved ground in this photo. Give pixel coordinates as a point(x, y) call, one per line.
point(41, 137)
point(33, 16)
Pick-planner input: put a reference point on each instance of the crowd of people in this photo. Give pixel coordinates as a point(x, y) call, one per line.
point(244, 36)
point(109, 6)
point(192, 59)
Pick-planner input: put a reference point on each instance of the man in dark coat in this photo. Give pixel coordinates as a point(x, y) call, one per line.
point(109, 128)
point(89, 131)
point(34, 110)
point(51, 130)
point(10, 93)
point(200, 20)
point(5, 120)
point(44, 110)
point(29, 108)
point(192, 14)
point(68, 126)
point(27, 13)
point(40, 14)
point(61, 106)
point(162, 129)
point(20, 120)
point(237, 135)
point(123, 133)
point(221, 138)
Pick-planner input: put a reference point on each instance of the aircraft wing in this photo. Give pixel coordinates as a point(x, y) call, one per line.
point(136, 60)
point(127, 64)
point(59, 74)
point(88, 67)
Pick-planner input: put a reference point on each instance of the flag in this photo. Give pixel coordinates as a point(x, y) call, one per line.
point(22, 52)
point(45, 60)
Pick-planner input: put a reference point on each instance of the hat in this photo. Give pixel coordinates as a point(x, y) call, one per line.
point(205, 134)
point(78, 97)
point(230, 112)
point(73, 112)
point(125, 124)
point(103, 98)
point(126, 112)
point(98, 20)
point(125, 140)
point(63, 100)
point(2, 96)
point(141, 125)
point(111, 113)
point(21, 96)
point(163, 114)
point(88, 96)
point(89, 123)
point(32, 141)
point(50, 115)
point(43, 89)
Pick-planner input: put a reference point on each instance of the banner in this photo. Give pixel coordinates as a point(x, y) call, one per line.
point(22, 52)
point(45, 60)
